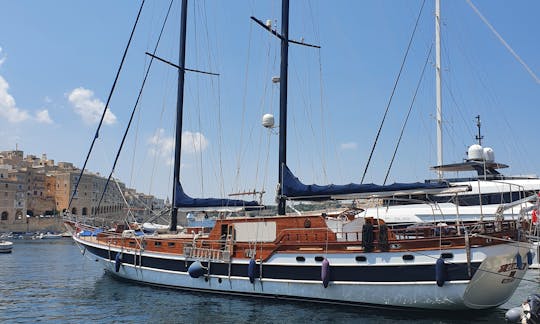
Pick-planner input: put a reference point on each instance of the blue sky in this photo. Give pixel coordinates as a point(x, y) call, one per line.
point(58, 60)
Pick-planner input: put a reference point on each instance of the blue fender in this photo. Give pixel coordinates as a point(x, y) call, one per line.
point(519, 261)
point(251, 271)
point(440, 272)
point(325, 272)
point(117, 262)
point(196, 269)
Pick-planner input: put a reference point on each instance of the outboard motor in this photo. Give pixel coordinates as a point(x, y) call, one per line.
point(528, 312)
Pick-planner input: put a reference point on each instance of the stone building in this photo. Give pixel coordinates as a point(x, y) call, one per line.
point(38, 188)
point(143, 206)
point(86, 201)
point(12, 197)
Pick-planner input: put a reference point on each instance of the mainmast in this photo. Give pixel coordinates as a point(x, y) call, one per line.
point(438, 85)
point(283, 100)
point(284, 37)
point(179, 113)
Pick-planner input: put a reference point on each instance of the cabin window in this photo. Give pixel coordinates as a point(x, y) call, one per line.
point(171, 244)
point(131, 243)
point(319, 258)
point(300, 258)
point(157, 244)
point(447, 255)
point(408, 257)
point(360, 258)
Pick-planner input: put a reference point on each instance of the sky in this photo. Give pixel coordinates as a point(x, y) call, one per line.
point(58, 61)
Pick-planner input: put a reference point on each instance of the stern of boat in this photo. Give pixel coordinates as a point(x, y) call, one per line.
point(498, 275)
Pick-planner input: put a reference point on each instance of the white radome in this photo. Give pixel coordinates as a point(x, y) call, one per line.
point(476, 152)
point(268, 121)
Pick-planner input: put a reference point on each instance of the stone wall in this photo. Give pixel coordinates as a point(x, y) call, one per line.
point(36, 224)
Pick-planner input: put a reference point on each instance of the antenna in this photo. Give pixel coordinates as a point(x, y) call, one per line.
point(479, 137)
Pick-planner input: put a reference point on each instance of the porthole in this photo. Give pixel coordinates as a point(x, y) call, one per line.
point(360, 258)
point(447, 255)
point(157, 243)
point(300, 259)
point(219, 280)
point(170, 244)
point(408, 257)
point(319, 258)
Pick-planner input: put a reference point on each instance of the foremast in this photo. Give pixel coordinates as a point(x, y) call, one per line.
point(179, 114)
point(283, 102)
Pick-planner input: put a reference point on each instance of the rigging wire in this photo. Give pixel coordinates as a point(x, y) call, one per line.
point(408, 114)
point(505, 44)
point(135, 106)
point(244, 105)
point(393, 91)
point(106, 104)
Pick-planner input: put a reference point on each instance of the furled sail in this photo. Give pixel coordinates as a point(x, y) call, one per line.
point(185, 202)
point(295, 190)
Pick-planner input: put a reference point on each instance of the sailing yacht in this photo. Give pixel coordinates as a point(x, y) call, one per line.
point(491, 193)
point(316, 256)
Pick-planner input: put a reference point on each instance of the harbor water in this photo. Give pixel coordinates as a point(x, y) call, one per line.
point(51, 281)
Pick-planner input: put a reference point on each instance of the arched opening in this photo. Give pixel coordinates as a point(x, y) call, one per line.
point(84, 211)
point(4, 216)
point(74, 211)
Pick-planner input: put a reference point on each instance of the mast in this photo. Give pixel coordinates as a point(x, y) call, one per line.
point(283, 100)
point(179, 114)
point(479, 137)
point(438, 85)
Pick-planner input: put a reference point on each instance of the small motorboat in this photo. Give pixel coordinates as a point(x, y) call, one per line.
point(5, 246)
point(528, 312)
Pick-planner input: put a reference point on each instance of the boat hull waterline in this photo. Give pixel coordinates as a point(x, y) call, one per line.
point(495, 277)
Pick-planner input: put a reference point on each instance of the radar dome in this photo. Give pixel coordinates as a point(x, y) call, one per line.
point(268, 121)
point(476, 152)
point(489, 155)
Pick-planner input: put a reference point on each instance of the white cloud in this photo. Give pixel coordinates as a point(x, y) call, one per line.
point(43, 117)
point(163, 145)
point(89, 107)
point(193, 142)
point(348, 146)
point(8, 107)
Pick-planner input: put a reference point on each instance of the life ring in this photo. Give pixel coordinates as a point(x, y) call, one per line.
point(307, 223)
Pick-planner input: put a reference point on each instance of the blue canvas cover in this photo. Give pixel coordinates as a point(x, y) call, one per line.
point(185, 201)
point(294, 189)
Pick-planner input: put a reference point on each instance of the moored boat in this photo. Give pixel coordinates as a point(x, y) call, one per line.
point(6, 246)
point(300, 257)
point(317, 257)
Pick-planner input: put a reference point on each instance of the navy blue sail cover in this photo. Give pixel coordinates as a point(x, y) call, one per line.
point(294, 189)
point(185, 201)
